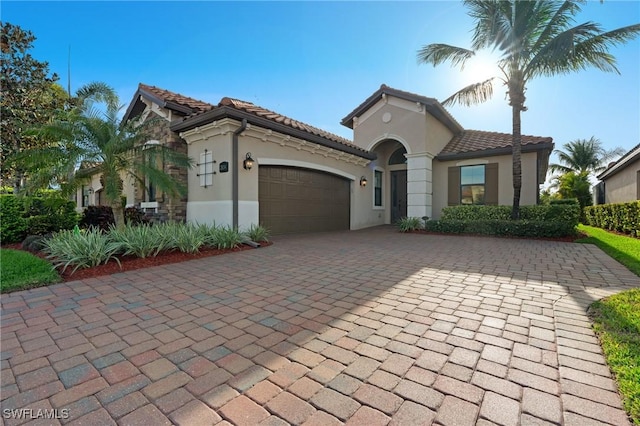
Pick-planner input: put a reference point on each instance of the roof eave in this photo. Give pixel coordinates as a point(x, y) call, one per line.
point(494, 152)
point(620, 164)
point(432, 105)
point(229, 112)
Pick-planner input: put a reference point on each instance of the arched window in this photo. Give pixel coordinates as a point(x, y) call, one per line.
point(398, 157)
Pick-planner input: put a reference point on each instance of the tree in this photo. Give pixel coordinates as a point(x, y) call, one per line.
point(30, 96)
point(575, 185)
point(534, 39)
point(115, 149)
point(584, 156)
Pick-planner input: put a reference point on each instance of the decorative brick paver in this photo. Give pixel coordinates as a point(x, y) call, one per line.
point(365, 328)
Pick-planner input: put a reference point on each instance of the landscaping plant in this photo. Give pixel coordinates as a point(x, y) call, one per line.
point(257, 233)
point(83, 249)
point(408, 224)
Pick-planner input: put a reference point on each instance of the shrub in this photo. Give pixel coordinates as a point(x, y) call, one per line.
point(13, 226)
point(141, 240)
point(102, 217)
point(257, 233)
point(83, 250)
point(51, 214)
point(97, 217)
point(224, 237)
point(516, 228)
point(408, 224)
point(568, 211)
point(186, 237)
point(620, 217)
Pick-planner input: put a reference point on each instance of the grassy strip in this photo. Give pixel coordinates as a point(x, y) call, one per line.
point(625, 250)
point(20, 270)
point(617, 318)
point(617, 323)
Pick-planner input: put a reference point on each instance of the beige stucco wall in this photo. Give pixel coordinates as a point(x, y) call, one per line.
point(403, 121)
point(529, 190)
point(622, 187)
point(214, 203)
point(93, 181)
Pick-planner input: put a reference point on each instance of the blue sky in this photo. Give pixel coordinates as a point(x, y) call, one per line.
point(317, 61)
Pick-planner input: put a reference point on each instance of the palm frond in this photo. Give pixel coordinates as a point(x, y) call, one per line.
point(437, 54)
point(579, 48)
point(98, 92)
point(473, 94)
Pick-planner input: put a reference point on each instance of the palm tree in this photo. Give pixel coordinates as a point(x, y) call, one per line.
point(584, 156)
point(116, 149)
point(534, 39)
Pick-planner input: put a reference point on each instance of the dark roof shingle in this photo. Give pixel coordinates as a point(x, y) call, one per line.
point(195, 105)
point(279, 118)
point(475, 141)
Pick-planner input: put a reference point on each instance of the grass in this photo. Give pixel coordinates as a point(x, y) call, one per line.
point(617, 323)
point(616, 319)
point(21, 270)
point(625, 250)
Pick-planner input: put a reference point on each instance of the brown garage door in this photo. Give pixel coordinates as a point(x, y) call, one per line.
point(295, 200)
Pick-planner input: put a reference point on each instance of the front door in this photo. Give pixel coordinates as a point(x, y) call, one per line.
point(398, 195)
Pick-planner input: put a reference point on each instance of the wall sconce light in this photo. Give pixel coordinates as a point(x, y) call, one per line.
point(363, 181)
point(248, 162)
point(90, 191)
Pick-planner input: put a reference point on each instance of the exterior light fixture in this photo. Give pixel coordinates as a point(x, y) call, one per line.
point(248, 162)
point(363, 181)
point(90, 190)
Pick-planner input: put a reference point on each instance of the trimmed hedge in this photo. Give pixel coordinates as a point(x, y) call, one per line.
point(502, 227)
point(620, 217)
point(567, 212)
point(13, 226)
point(22, 216)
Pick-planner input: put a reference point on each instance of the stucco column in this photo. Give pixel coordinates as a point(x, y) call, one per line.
point(419, 184)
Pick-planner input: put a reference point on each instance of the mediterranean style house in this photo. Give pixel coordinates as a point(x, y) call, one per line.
point(620, 181)
point(408, 157)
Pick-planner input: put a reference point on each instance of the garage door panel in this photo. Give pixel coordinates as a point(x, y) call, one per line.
point(296, 200)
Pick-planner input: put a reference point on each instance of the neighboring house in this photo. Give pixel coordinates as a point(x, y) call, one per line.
point(620, 181)
point(408, 157)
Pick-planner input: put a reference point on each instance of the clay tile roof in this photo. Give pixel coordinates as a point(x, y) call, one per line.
point(477, 140)
point(195, 105)
point(287, 121)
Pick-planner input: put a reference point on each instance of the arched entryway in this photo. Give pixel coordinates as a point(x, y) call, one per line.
point(397, 166)
point(390, 179)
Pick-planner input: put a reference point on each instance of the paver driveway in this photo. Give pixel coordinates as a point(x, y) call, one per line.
point(368, 327)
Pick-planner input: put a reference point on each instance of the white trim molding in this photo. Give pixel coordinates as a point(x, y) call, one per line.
point(303, 164)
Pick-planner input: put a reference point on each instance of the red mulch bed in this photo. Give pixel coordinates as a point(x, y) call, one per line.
point(130, 263)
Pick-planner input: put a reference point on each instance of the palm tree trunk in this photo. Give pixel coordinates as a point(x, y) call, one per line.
point(118, 214)
point(517, 160)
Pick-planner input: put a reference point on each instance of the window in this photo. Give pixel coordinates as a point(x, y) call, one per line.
point(472, 184)
point(377, 188)
point(398, 157)
point(85, 196)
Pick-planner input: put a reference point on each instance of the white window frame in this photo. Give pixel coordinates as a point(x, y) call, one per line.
point(373, 188)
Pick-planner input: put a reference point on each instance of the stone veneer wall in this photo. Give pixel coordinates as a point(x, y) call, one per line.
point(169, 208)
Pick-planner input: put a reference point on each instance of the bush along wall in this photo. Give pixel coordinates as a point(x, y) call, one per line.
point(620, 217)
point(102, 217)
point(550, 220)
point(22, 216)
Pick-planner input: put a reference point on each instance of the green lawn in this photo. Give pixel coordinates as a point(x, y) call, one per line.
point(625, 250)
point(20, 270)
point(617, 318)
point(617, 324)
